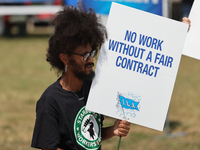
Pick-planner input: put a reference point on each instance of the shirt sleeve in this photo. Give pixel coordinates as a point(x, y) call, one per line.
point(46, 131)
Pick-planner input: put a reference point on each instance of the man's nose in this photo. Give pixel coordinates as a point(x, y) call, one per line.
point(90, 59)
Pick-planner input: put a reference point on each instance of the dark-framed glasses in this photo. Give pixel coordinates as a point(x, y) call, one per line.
point(87, 55)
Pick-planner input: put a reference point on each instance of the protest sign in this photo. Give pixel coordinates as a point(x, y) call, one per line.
point(137, 67)
point(192, 46)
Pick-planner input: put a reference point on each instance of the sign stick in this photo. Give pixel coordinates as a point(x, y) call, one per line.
point(119, 142)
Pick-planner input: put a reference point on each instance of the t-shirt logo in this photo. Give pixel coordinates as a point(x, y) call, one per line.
point(87, 129)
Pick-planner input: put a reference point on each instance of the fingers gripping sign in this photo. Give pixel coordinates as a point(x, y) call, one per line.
point(187, 20)
point(121, 128)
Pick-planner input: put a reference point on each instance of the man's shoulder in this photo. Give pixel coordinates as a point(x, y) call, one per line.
point(48, 99)
point(51, 91)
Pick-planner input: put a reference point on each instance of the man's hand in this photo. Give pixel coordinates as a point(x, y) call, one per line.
point(121, 128)
point(186, 20)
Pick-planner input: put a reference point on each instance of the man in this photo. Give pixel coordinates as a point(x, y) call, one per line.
point(62, 121)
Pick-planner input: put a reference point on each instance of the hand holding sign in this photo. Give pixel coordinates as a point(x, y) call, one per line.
point(121, 128)
point(191, 46)
point(187, 20)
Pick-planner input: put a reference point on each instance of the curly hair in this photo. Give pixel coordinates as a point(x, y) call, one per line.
point(74, 26)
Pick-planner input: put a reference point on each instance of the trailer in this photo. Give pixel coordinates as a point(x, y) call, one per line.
point(19, 16)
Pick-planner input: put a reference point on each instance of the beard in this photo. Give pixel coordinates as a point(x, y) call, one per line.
point(81, 75)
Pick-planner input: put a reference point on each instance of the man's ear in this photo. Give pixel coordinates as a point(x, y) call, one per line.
point(63, 58)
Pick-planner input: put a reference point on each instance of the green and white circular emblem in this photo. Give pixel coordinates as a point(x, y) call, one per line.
point(87, 129)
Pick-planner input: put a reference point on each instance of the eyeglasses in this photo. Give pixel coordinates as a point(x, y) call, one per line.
point(87, 55)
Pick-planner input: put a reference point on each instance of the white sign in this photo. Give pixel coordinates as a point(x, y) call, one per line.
point(192, 46)
point(137, 67)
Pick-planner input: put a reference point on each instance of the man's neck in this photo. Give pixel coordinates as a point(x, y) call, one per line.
point(72, 82)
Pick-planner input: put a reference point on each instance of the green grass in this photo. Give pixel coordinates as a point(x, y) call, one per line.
point(25, 74)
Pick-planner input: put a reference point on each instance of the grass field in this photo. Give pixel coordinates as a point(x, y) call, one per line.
point(25, 74)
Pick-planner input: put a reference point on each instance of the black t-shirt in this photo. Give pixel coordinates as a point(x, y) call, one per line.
point(62, 121)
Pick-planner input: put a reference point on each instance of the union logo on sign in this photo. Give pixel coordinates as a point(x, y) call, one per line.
point(127, 105)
